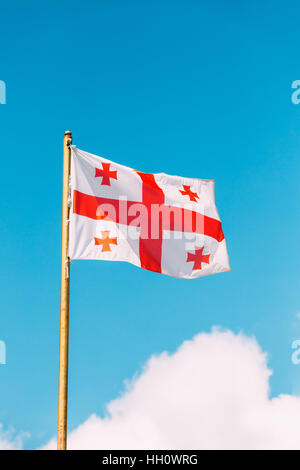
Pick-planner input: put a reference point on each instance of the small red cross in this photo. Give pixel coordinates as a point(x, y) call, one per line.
point(187, 192)
point(198, 257)
point(105, 241)
point(105, 173)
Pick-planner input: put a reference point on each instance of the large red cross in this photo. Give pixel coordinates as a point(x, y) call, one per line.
point(198, 257)
point(105, 173)
point(150, 247)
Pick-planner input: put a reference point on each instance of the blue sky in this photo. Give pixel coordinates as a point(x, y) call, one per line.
point(195, 88)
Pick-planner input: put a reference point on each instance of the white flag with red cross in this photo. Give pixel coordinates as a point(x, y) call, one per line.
point(167, 224)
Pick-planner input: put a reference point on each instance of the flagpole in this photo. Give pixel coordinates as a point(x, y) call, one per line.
point(64, 302)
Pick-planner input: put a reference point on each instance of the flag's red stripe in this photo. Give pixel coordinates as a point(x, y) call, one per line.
point(151, 249)
point(87, 205)
point(186, 220)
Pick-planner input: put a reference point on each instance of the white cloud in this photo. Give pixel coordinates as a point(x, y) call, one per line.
point(212, 393)
point(10, 441)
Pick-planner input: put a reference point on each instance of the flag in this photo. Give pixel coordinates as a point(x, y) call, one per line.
point(162, 223)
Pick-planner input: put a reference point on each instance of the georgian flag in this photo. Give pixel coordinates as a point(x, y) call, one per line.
point(167, 224)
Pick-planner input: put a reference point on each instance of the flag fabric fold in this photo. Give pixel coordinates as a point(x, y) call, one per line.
point(162, 223)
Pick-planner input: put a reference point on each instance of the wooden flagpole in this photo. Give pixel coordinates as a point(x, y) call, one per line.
point(64, 303)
